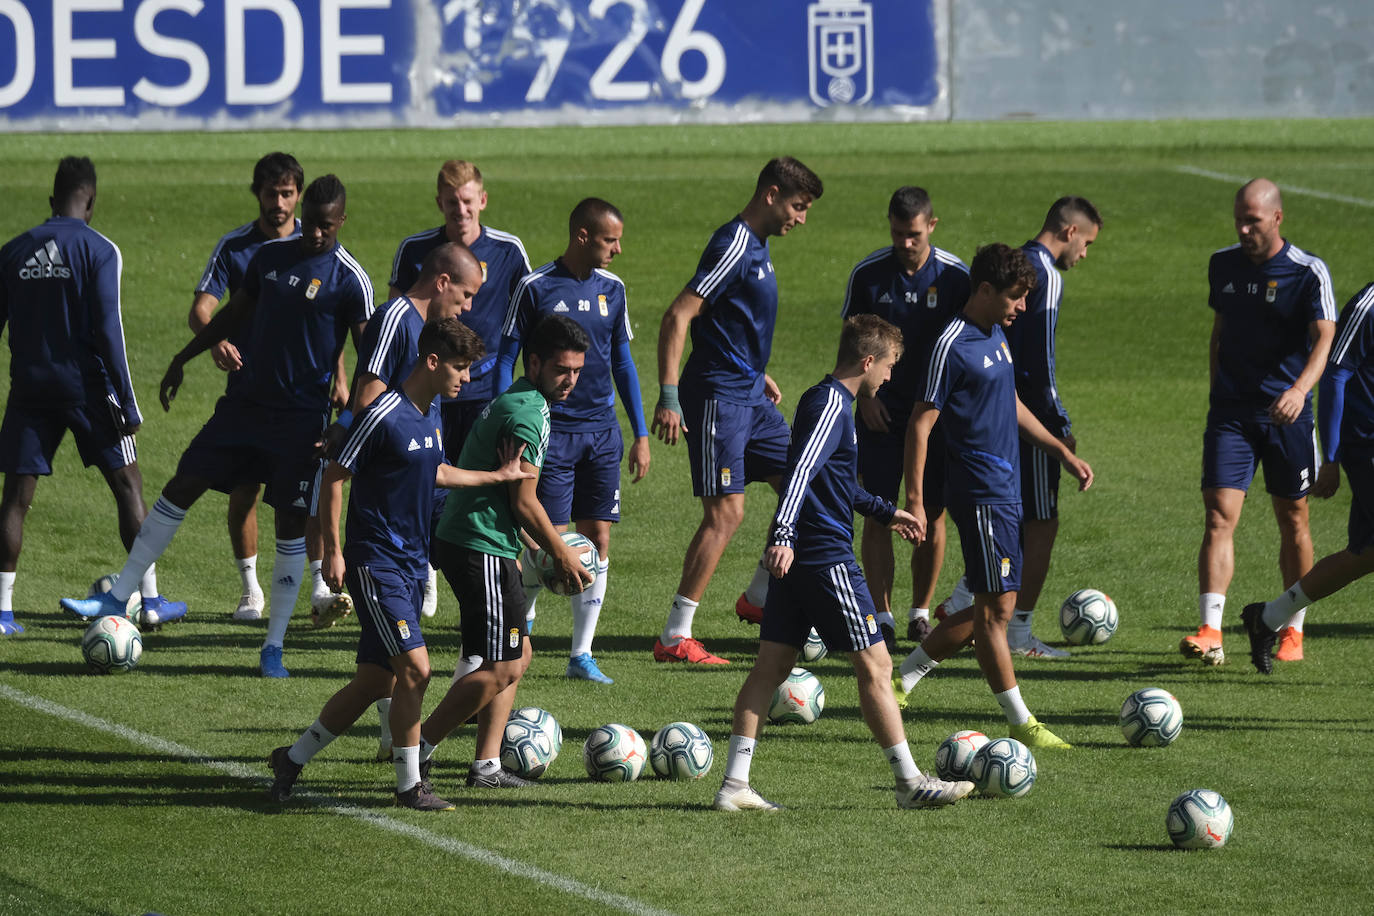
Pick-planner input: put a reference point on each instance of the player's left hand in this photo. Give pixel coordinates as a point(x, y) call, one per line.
point(1287, 407)
point(778, 560)
point(639, 459)
point(908, 526)
point(1080, 470)
point(771, 390)
point(171, 382)
point(1328, 480)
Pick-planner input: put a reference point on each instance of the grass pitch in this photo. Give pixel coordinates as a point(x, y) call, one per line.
point(146, 792)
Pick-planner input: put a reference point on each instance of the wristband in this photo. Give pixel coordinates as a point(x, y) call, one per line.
point(345, 418)
point(667, 399)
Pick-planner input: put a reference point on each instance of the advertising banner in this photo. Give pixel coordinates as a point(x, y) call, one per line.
point(99, 64)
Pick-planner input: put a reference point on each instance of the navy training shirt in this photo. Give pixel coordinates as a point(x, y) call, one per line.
point(1266, 310)
point(59, 293)
point(732, 337)
point(820, 488)
point(1031, 338)
point(972, 383)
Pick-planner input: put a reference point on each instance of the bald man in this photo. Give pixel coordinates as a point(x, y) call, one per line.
point(1271, 335)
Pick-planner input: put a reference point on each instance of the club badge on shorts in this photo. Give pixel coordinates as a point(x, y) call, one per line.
point(1006, 567)
point(871, 623)
point(515, 637)
point(404, 628)
point(725, 477)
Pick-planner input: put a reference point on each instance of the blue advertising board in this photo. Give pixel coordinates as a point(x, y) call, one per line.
point(234, 63)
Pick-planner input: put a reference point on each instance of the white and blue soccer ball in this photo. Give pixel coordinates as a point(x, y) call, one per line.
point(100, 586)
point(813, 650)
point(112, 645)
point(547, 570)
point(1199, 819)
point(955, 754)
point(526, 748)
point(614, 753)
point(1151, 717)
point(1088, 617)
point(1004, 768)
point(799, 699)
point(681, 750)
point(545, 720)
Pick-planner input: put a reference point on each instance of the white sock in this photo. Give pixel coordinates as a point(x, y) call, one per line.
point(313, 740)
point(148, 584)
point(586, 610)
point(679, 625)
point(486, 767)
point(1298, 617)
point(885, 617)
point(384, 726)
point(904, 768)
point(317, 587)
point(531, 602)
point(1019, 627)
point(157, 531)
point(916, 666)
point(286, 587)
point(757, 592)
point(426, 749)
point(1014, 706)
point(248, 574)
point(960, 598)
point(1209, 608)
point(741, 756)
point(407, 762)
point(918, 613)
point(466, 665)
point(1285, 606)
point(6, 591)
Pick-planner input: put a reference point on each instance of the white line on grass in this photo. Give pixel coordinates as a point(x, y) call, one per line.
point(1287, 189)
point(377, 819)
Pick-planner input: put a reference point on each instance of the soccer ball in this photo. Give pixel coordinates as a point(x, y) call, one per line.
point(614, 753)
point(1003, 769)
point(548, 571)
point(542, 718)
point(1088, 617)
point(1199, 819)
point(526, 749)
point(814, 650)
point(955, 753)
point(798, 699)
point(681, 751)
point(105, 583)
point(112, 645)
point(1151, 717)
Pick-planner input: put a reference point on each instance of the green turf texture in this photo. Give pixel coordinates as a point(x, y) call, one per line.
point(95, 822)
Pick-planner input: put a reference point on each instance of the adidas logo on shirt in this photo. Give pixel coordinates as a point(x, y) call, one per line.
point(1228, 288)
point(414, 446)
point(45, 264)
point(885, 299)
point(561, 306)
point(271, 275)
point(986, 362)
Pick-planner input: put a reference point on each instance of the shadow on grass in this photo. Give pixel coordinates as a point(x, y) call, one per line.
point(1144, 847)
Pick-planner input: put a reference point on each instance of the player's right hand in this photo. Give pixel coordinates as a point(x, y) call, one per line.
point(226, 356)
point(1328, 480)
point(171, 381)
point(667, 424)
point(334, 570)
point(910, 526)
point(574, 575)
point(778, 560)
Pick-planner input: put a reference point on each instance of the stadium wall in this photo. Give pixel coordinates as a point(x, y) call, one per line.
point(230, 64)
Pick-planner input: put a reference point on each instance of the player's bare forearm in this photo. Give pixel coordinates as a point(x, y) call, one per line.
point(923, 417)
point(202, 309)
point(331, 504)
point(1214, 349)
point(367, 388)
point(529, 512)
point(672, 334)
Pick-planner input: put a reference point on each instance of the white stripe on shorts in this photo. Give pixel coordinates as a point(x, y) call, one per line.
point(849, 606)
point(371, 603)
